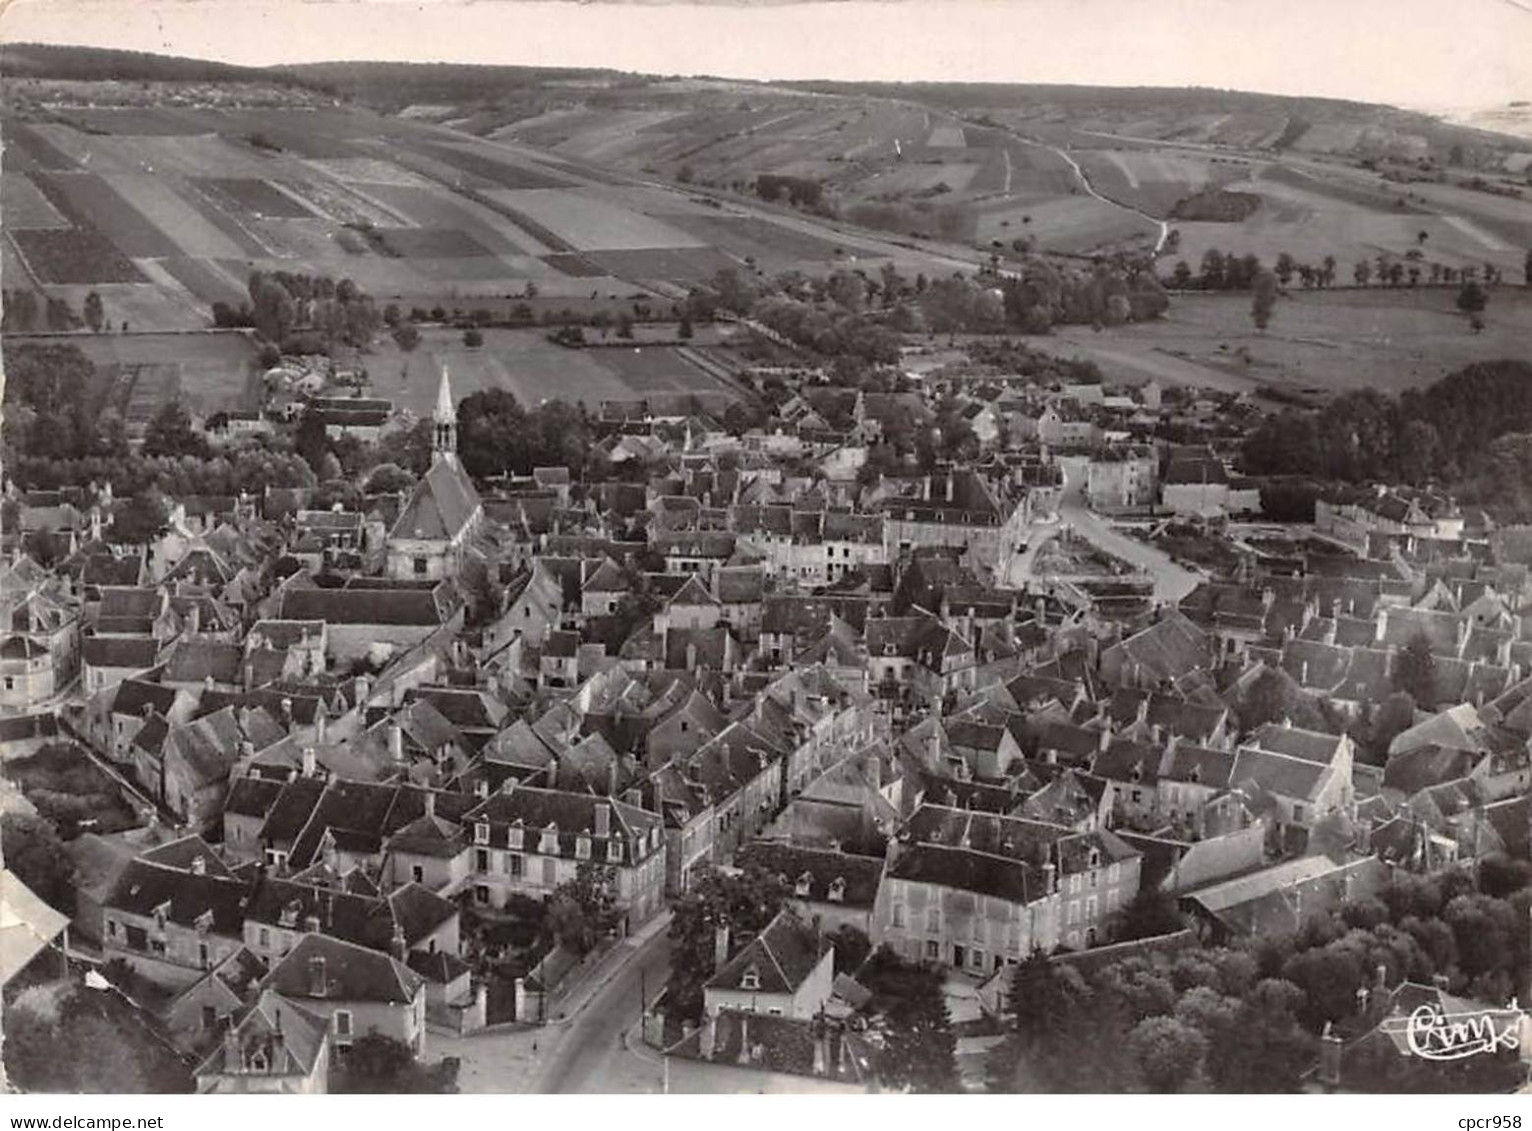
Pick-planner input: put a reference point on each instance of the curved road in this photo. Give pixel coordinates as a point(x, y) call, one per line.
point(1084, 178)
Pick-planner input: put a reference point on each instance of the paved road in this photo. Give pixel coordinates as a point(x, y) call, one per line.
point(1171, 581)
point(593, 1056)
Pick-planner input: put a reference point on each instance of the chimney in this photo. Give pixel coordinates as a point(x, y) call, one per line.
point(1050, 877)
point(321, 723)
point(604, 817)
point(319, 985)
point(1379, 624)
point(611, 778)
point(1105, 738)
point(232, 1060)
point(481, 788)
point(287, 711)
point(396, 944)
point(720, 946)
point(363, 689)
point(691, 656)
point(1303, 673)
point(925, 489)
point(207, 682)
point(395, 742)
point(430, 803)
point(1143, 709)
point(198, 866)
point(310, 762)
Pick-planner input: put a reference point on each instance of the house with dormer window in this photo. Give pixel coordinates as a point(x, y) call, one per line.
point(785, 971)
point(528, 841)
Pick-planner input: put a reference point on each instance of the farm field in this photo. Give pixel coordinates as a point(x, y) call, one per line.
point(1311, 214)
point(1331, 342)
point(186, 200)
point(533, 368)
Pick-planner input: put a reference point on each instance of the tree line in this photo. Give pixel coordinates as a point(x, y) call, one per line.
point(1246, 1017)
point(1471, 430)
point(299, 313)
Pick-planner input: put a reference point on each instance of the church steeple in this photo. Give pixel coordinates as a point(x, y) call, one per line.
point(445, 416)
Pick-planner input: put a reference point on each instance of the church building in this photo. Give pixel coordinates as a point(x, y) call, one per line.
point(444, 510)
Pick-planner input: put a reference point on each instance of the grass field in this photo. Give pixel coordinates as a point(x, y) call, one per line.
point(533, 368)
point(592, 224)
point(1329, 342)
point(24, 206)
point(1335, 212)
point(136, 373)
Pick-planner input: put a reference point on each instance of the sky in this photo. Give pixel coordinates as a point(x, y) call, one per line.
point(1429, 54)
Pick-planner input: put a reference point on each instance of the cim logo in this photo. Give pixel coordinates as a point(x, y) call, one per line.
point(1436, 1035)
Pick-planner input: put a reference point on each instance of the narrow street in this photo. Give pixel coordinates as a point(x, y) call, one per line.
point(593, 1056)
point(596, 1049)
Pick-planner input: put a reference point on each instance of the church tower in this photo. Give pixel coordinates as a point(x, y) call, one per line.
point(445, 416)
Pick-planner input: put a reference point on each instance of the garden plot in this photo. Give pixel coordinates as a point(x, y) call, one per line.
point(590, 224)
point(24, 206)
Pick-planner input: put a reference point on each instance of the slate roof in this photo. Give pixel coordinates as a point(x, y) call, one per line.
point(144, 886)
point(351, 974)
point(441, 505)
point(132, 652)
point(782, 957)
point(424, 608)
point(859, 875)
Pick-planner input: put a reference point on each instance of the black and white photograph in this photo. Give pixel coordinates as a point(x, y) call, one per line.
point(712, 548)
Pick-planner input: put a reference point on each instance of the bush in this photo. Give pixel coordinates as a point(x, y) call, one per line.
point(473, 338)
